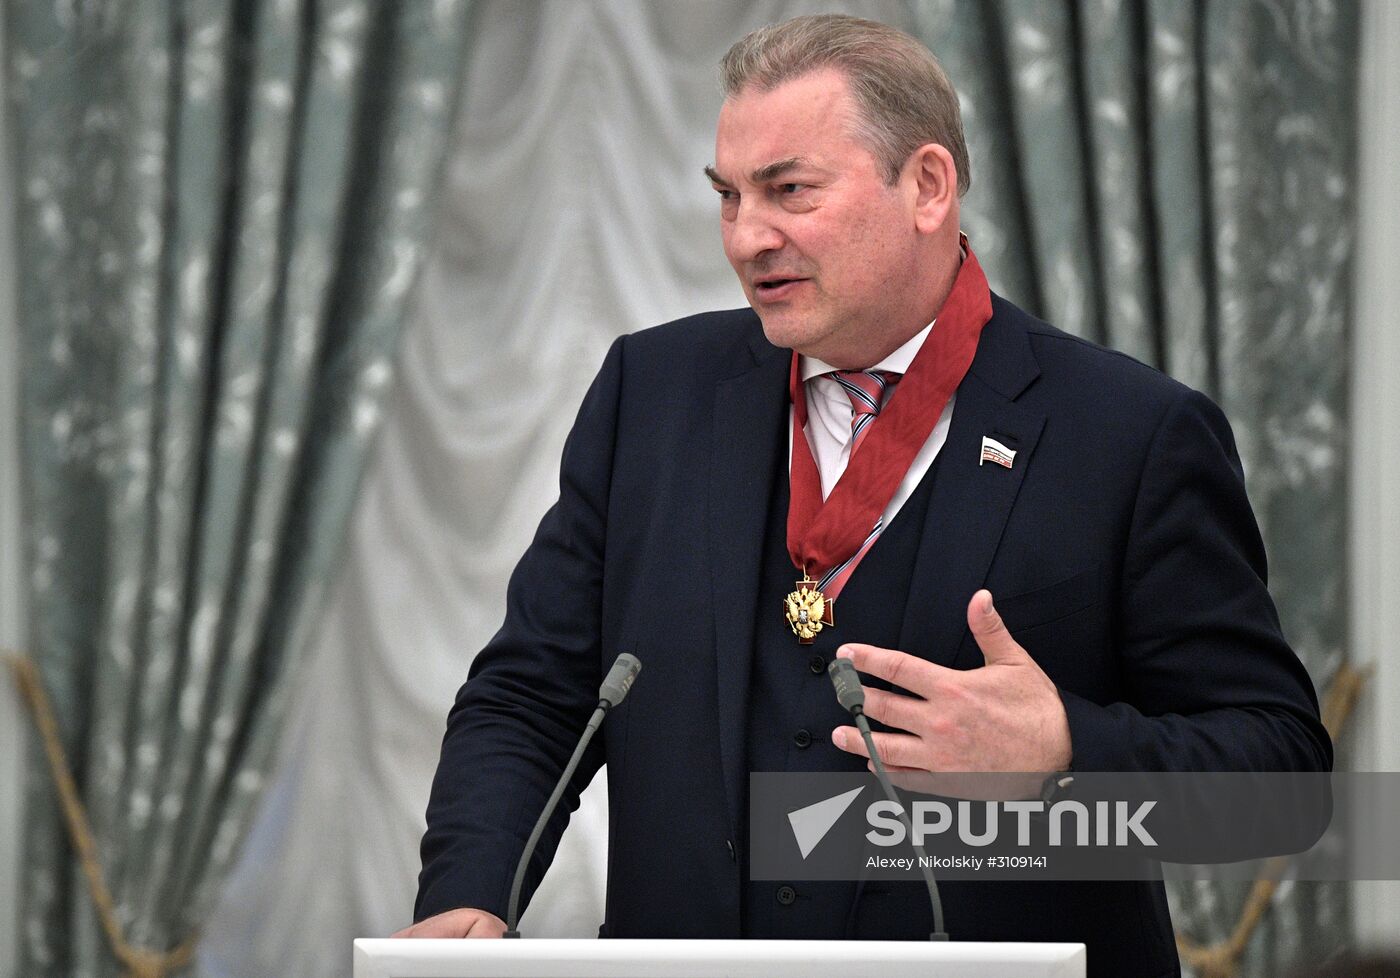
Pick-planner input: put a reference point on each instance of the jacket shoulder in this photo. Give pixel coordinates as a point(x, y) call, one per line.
point(704, 335)
point(1111, 378)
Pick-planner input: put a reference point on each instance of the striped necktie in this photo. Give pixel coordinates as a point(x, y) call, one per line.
point(866, 389)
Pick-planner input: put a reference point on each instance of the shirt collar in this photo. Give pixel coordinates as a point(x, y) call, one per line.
point(897, 362)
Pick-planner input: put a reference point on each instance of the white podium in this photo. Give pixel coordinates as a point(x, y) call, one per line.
point(617, 958)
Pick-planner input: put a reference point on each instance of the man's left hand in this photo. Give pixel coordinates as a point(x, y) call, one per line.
point(1006, 716)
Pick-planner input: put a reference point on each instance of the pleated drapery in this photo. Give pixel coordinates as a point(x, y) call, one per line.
point(1175, 179)
point(220, 213)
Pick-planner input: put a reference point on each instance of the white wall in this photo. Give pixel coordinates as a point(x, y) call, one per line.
point(1375, 452)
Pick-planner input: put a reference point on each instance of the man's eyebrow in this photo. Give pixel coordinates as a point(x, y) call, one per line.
point(714, 176)
point(772, 171)
point(765, 173)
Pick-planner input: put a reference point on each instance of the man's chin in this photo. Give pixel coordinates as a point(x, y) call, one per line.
point(782, 329)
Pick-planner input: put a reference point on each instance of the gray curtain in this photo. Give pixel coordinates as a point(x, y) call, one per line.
point(220, 211)
point(1174, 178)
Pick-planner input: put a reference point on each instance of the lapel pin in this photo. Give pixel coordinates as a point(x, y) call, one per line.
point(995, 451)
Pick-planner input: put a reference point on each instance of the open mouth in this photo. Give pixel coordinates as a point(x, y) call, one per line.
point(773, 288)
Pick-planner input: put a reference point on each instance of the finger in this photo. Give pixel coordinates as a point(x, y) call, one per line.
point(894, 768)
point(435, 927)
point(899, 668)
point(486, 926)
point(899, 749)
point(452, 924)
point(908, 778)
point(990, 631)
point(896, 709)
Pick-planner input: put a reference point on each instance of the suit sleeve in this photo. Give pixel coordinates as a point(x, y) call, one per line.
point(1210, 683)
point(530, 691)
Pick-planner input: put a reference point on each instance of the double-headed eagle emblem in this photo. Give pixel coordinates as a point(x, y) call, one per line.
point(807, 611)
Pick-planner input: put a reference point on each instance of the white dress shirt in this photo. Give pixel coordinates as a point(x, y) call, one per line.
point(829, 422)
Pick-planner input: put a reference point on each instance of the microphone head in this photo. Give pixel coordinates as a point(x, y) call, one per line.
point(849, 692)
point(619, 679)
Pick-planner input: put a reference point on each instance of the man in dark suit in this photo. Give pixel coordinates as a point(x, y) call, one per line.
point(908, 445)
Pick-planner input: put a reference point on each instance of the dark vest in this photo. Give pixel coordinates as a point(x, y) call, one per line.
point(792, 706)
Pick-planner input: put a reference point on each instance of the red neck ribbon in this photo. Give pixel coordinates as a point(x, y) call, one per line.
point(823, 534)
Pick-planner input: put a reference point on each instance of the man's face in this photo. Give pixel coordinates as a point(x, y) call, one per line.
point(822, 246)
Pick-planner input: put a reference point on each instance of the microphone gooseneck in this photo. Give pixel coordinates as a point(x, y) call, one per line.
point(851, 695)
point(615, 687)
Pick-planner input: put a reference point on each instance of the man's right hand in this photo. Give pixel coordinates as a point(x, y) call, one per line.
point(465, 922)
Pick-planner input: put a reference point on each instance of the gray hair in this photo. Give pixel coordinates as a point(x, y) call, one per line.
point(904, 98)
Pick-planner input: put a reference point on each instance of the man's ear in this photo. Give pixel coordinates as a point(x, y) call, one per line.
point(935, 182)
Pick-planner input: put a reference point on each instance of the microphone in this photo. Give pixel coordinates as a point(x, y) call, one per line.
point(618, 680)
point(851, 695)
point(615, 687)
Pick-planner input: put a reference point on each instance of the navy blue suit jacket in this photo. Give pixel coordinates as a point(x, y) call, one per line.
point(1120, 549)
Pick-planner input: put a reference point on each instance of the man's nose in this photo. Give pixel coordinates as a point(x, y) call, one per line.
point(752, 234)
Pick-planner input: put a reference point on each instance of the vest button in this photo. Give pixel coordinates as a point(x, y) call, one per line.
point(817, 664)
point(802, 738)
point(786, 895)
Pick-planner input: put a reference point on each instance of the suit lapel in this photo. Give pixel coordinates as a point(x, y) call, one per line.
point(971, 500)
point(750, 409)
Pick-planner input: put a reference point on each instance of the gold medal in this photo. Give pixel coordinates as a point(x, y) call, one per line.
point(807, 610)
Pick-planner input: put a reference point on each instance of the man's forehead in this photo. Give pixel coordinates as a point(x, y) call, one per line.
point(797, 123)
point(811, 98)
